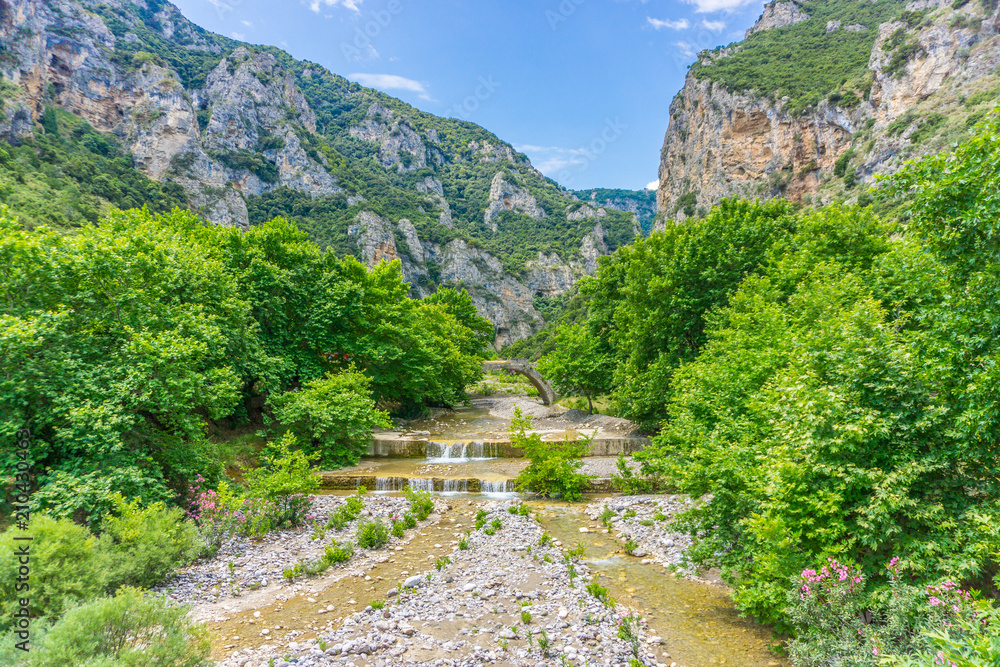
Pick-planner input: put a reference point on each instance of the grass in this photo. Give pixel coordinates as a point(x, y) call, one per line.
point(602, 404)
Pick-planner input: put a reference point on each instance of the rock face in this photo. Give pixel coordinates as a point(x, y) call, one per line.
point(723, 143)
point(498, 296)
point(249, 132)
point(778, 14)
point(505, 196)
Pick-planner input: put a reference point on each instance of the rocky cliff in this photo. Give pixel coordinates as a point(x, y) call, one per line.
point(248, 133)
point(823, 127)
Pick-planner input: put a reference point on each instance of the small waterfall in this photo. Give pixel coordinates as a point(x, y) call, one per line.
point(387, 484)
point(460, 452)
point(422, 484)
point(455, 486)
point(493, 485)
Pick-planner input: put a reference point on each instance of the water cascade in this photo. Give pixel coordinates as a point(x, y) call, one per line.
point(460, 452)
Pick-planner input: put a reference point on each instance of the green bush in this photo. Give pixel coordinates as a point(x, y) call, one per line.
point(68, 567)
point(144, 545)
point(132, 629)
point(554, 466)
point(336, 415)
point(629, 483)
point(372, 534)
point(421, 504)
point(338, 552)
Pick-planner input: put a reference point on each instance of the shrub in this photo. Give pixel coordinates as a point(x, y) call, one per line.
point(131, 629)
point(144, 545)
point(554, 465)
point(372, 534)
point(338, 552)
point(630, 546)
point(601, 593)
point(398, 529)
point(284, 478)
point(481, 517)
point(421, 504)
point(628, 483)
point(463, 543)
point(442, 563)
point(67, 567)
point(835, 621)
point(336, 414)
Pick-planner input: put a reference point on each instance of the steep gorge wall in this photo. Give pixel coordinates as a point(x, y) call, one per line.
point(722, 142)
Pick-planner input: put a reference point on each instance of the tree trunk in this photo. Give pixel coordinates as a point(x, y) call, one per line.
point(590, 404)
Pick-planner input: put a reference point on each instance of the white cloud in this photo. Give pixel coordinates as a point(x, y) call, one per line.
point(390, 82)
point(315, 5)
point(714, 26)
point(687, 50)
point(681, 24)
point(237, 35)
point(248, 24)
point(551, 160)
point(705, 6)
point(653, 185)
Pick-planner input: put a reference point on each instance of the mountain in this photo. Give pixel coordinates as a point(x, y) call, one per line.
point(129, 103)
point(822, 95)
point(642, 203)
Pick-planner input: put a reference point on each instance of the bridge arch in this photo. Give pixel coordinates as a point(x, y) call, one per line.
point(525, 368)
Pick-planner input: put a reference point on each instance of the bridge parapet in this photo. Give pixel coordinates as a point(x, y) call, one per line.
point(527, 369)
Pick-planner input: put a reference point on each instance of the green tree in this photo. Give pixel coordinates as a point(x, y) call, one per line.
point(335, 414)
point(576, 364)
point(651, 298)
point(554, 468)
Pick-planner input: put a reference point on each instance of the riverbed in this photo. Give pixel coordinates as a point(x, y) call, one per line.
point(510, 591)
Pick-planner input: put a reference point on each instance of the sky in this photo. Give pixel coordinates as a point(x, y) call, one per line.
point(583, 87)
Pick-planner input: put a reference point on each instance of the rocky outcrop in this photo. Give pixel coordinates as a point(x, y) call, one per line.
point(499, 297)
point(593, 246)
point(585, 212)
point(505, 196)
point(723, 143)
point(778, 14)
point(248, 95)
point(399, 145)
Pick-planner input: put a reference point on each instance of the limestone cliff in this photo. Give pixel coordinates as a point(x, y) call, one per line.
point(931, 71)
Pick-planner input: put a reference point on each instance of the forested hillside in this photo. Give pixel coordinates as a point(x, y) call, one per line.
point(242, 134)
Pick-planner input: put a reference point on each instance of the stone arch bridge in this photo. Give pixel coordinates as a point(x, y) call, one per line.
point(527, 369)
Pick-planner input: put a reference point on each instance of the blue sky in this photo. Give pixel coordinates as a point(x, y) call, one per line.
point(583, 87)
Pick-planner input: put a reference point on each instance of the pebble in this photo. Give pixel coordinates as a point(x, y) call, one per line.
point(466, 614)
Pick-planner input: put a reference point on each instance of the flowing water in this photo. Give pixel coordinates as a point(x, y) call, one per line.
point(697, 622)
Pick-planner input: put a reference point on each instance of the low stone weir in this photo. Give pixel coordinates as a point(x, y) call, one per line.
point(335, 482)
point(398, 446)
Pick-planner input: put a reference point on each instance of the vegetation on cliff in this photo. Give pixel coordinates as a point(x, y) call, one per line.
point(805, 61)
